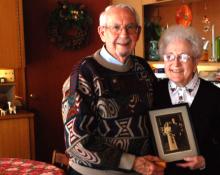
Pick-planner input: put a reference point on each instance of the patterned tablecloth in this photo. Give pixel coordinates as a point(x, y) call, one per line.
point(17, 166)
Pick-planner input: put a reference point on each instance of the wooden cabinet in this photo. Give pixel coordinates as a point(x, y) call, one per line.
point(17, 135)
point(11, 34)
point(12, 52)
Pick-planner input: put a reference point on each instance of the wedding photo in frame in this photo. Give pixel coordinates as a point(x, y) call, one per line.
point(173, 133)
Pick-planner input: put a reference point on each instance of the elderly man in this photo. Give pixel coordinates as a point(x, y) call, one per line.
point(106, 102)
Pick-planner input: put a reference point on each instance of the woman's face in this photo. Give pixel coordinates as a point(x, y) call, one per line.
point(176, 70)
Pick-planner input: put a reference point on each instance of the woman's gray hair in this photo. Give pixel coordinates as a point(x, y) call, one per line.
point(188, 34)
point(103, 16)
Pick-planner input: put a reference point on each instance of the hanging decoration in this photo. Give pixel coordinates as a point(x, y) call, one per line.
point(69, 25)
point(205, 20)
point(184, 15)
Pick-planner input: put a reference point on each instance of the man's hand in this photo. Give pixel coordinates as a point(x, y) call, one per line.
point(149, 165)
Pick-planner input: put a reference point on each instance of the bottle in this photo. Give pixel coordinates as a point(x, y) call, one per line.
point(217, 47)
point(205, 54)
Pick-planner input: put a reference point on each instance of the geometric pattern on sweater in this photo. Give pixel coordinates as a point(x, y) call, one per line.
point(124, 128)
point(105, 112)
point(77, 149)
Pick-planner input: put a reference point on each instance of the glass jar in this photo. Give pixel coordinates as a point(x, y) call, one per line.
point(217, 48)
point(153, 50)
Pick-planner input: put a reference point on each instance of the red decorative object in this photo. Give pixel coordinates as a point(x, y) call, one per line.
point(16, 166)
point(184, 15)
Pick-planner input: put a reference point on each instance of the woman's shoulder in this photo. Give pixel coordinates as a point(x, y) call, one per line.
point(209, 85)
point(209, 90)
point(163, 82)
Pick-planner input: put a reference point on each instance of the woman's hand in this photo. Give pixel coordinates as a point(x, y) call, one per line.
point(194, 162)
point(149, 165)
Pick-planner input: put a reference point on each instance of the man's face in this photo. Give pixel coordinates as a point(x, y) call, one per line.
point(120, 33)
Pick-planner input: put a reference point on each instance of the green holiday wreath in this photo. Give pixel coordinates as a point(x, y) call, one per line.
point(68, 26)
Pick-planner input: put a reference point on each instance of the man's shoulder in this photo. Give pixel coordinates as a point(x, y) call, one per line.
point(162, 85)
point(85, 62)
point(163, 82)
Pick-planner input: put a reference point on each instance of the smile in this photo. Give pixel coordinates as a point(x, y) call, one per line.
point(123, 41)
point(176, 70)
point(123, 44)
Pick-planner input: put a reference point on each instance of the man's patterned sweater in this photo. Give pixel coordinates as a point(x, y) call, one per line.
point(105, 112)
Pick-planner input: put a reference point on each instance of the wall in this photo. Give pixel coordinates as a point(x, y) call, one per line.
point(47, 68)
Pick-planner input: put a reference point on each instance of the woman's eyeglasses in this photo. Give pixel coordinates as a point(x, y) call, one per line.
point(183, 57)
point(130, 29)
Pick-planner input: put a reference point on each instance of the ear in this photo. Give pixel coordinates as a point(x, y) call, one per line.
point(101, 32)
point(196, 64)
point(139, 32)
point(197, 61)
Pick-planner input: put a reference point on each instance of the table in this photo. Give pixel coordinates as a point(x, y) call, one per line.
point(17, 166)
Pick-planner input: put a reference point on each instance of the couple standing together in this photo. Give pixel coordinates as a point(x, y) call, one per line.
point(107, 97)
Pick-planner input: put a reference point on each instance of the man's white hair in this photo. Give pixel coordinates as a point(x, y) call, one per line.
point(103, 16)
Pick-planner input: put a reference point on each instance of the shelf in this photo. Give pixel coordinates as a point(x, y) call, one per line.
point(208, 66)
point(205, 63)
point(7, 84)
point(147, 2)
point(201, 63)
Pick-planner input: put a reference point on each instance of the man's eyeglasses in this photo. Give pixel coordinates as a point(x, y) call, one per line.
point(130, 28)
point(183, 57)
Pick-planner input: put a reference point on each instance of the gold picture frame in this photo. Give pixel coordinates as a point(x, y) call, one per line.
point(174, 136)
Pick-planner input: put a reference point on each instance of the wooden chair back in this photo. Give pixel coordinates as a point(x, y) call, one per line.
point(60, 160)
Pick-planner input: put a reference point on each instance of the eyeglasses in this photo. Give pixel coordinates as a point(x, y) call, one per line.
point(130, 29)
point(183, 57)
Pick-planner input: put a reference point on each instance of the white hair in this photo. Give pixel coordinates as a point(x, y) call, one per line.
point(188, 34)
point(103, 16)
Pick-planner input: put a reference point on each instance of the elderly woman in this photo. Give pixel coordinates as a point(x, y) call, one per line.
point(181, 49)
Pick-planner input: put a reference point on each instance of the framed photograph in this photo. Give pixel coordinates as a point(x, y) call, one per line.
point(173, 133)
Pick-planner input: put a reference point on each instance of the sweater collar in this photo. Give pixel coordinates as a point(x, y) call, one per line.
point(115, 67)
point(108, 57)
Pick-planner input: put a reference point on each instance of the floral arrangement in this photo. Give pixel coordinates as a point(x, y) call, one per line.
point(69, 26)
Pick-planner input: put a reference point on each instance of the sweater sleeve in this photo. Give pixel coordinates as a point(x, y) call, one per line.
point(84, 144)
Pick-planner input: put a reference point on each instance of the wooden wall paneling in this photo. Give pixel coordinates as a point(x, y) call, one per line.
point(12, 51)
point(11, 34)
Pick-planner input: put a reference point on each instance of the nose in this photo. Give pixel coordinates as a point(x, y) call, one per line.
point(124, 31)
point(177, 61)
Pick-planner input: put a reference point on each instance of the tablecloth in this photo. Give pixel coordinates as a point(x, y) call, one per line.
point(17, 166)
